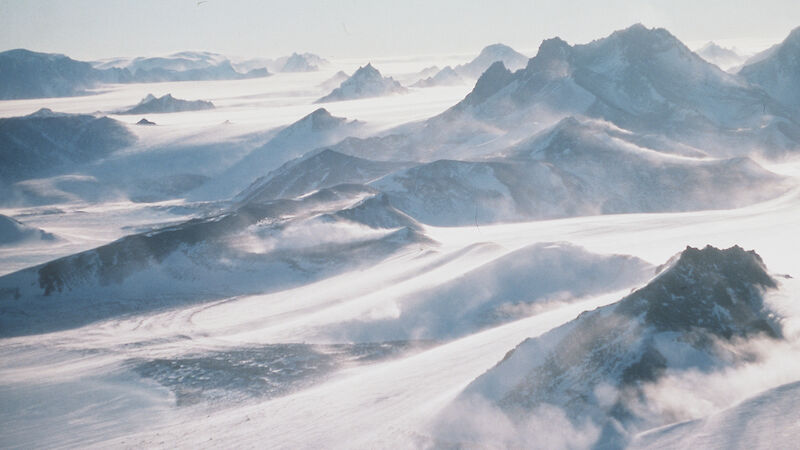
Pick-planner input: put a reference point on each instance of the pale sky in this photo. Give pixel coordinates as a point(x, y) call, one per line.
point(93, 29)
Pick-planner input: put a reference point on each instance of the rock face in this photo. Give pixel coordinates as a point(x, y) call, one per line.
point(167, 104)
point(778, 72)
point(366, 82)
point(595, 367)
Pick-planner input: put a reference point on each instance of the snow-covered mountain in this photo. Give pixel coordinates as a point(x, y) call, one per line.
point(597, 368)
point(315, 130)
point(367, 81)
point(255, 247)
point(643, 80)
point(296, 62)
point(47, 143)
point(182, 66)
point(301, 63)
point(320, 170)
point(778, 71)
point(176, 62)
point(27, 74)
point(167, 104)
point(488, 56)
point(725, 58)
point(445, 77)
point(334, 81)
point(450, 76)
point(13, 232)
point(577, 168)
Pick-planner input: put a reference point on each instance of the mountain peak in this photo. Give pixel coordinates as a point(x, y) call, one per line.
point(367, 81)
point(495, 78)
point(512, 59)
point(644, 39)
point(319, 120)
point(497, 49)
point(368, 69)
point(43, 112)
point(553, 48)
point(710, 289)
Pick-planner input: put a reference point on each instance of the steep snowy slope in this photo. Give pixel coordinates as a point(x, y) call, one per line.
point(323, 169)
point(765, 421)
point(256, 247)
point(167, 104)
point(334, 81)
point(315, 130)
point(778, 72)
point(12, 232)
point(643, 80)
point(691, 316)
point(46, 143)
point(366, 82)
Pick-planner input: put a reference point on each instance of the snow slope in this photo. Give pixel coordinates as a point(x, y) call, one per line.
point(764, 421)
point(597, 367)
point(577, 168)
point(778, 73)
point(318, 129)
point(13, 232)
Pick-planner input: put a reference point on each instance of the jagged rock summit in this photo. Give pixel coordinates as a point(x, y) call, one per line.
point(366, 82)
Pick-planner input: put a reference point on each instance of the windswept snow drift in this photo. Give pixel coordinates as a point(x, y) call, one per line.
point(596, 369)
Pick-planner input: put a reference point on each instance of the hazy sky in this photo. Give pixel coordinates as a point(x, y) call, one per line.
point(87, 29)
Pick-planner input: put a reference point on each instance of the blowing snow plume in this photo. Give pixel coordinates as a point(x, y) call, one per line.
point(697, 314)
